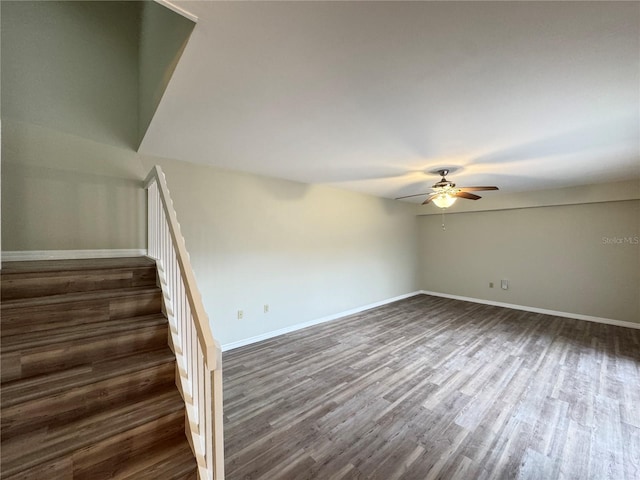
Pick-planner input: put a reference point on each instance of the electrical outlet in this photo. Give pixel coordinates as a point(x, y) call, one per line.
point(240, 314)
point(504, 284)
point(490, 284)
point(266, 308)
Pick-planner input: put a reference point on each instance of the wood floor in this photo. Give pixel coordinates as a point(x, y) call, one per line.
point(432, 388)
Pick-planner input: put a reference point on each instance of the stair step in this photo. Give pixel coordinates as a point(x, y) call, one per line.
point(64, 298)
point(29, 389)
point(88, 378)
point(168, 460)
point(47, 313)
point(43, 278)
point(25, 360)
point(82, 401)
point(31, 339)
point(121, 457)
point(120, 432)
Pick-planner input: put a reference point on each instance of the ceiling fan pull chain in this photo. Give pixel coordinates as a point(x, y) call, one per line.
point(443, 227)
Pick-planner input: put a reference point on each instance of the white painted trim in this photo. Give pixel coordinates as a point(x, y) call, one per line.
point(577, 316)
point(310, 323)
point(71, 254)
point(178, 10)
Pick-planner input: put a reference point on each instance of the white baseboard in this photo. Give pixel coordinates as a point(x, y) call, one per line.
point(70, 254)
point(310, 323)
point(577, 316)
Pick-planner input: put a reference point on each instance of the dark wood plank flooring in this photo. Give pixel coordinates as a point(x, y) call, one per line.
point(432, 388)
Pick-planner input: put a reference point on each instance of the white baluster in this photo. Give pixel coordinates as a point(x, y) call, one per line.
point(197, 353)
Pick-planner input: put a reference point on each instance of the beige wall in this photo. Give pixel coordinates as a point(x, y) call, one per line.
point(557, 257)
point(307, 251)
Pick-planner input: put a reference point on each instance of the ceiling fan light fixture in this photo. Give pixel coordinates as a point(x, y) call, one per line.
point(444, 200)
point(445, 192)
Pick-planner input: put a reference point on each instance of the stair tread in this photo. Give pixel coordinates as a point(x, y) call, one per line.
point(118, 453)
point(104, 459)
point(82, 401)
point(78, 331)
point(42, 445)
point(33, 266)
point(167, 461)
point(24, 361)
point(78, 297)
point(23, 390)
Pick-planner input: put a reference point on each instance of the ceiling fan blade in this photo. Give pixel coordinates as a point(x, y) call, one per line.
point(409, 196)
point(469, 196)
point(429, 198)
point(477, 189)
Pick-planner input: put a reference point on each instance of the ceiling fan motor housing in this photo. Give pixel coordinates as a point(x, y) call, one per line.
point(444, 183)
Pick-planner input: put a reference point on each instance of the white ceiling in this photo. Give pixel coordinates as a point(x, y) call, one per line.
point(368, 96)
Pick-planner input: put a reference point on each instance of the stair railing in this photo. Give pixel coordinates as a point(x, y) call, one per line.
point(198, 354)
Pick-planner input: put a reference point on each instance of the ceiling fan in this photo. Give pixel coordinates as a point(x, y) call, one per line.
point(445, 192)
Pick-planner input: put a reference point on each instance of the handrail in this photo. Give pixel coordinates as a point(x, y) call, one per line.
point(198, 354)
point(212, 352)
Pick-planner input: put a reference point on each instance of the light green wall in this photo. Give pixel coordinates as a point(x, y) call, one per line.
point(307, 251)
point(163, 37)
point(75, 76)
point(69, 93)
point(72, 67)
point(554, 257)
point(64, 192)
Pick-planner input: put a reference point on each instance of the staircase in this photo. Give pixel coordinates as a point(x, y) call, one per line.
point(88, 380)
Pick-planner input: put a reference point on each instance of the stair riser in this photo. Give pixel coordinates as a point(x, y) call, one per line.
point(20, 320)
point(30, 285)
point(83, 401)
point(28, 363)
